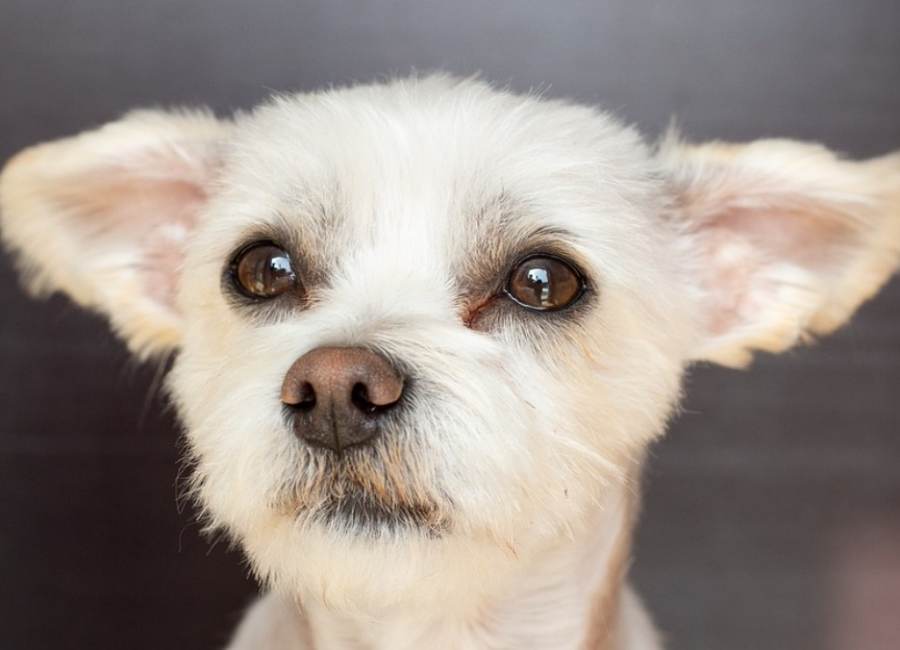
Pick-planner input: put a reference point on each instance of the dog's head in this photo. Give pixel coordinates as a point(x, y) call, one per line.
point(423, 325)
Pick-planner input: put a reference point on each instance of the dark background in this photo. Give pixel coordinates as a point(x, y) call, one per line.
point(771, 518)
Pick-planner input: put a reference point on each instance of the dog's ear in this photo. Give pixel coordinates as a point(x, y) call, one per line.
point(787, 238)
point(103, 216)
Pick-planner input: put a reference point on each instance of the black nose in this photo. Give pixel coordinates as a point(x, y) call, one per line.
point(337, 395)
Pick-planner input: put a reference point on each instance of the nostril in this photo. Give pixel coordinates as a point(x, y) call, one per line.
point(359, 395)
point(305, 398)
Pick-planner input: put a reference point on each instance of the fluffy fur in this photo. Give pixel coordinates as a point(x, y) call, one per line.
point(514, 469)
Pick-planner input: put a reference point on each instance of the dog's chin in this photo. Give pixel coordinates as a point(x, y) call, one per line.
point(369, 492)
point(351, 510)
point(359, 513)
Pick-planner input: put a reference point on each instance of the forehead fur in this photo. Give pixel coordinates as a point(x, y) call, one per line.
point(438, 166)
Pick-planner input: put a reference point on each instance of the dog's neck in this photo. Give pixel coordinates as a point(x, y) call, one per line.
point(568, 598)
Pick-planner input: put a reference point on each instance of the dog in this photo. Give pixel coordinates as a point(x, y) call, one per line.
point(426, 330)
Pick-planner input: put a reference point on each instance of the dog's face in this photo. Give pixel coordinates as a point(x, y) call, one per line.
point(423, 326)
point(417, 228)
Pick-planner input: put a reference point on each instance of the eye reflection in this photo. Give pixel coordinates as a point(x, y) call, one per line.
point(281, 266)
point(540, 282)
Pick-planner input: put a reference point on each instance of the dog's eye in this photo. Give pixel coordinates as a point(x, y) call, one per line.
point(263, 270)
point(544, 283)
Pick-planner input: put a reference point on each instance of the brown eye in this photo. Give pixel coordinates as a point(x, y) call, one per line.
point(544, 283)
point(264, 270)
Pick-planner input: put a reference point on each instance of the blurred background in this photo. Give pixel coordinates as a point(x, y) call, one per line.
point(772, 517)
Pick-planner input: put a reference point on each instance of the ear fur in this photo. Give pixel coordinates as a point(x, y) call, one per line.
point(787, 238)
point(103, 216)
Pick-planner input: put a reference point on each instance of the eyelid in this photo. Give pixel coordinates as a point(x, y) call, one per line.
point(564, 259)
point(243, 249)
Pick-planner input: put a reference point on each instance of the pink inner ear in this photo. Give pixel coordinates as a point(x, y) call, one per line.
point(806, 235)
point(166, 243)
point(104, 216)
point(746, 246)
point(140, 223)
point(789, 239)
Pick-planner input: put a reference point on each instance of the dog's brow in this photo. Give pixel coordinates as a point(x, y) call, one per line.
point(501, 233)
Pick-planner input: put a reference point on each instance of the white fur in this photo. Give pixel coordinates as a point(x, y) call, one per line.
point(526, 436)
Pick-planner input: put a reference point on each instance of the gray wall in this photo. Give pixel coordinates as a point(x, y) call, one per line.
point(773, 508)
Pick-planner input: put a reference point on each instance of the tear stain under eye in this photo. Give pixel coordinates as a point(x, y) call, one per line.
point(473, 311)
point(540, 323)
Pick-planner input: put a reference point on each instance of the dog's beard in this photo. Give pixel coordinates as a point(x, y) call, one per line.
point(377, 491)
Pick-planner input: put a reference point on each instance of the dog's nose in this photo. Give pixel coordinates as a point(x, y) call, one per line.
point(338, 395)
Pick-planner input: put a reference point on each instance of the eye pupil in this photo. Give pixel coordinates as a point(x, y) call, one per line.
point(264, 271)
point(544, 283)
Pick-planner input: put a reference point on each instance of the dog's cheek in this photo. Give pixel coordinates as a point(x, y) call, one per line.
point(605, 391)
point(225, 387)
point(499, 468)
point(236, 444)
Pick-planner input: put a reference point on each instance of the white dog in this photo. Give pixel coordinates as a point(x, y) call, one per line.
point(427, 330)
